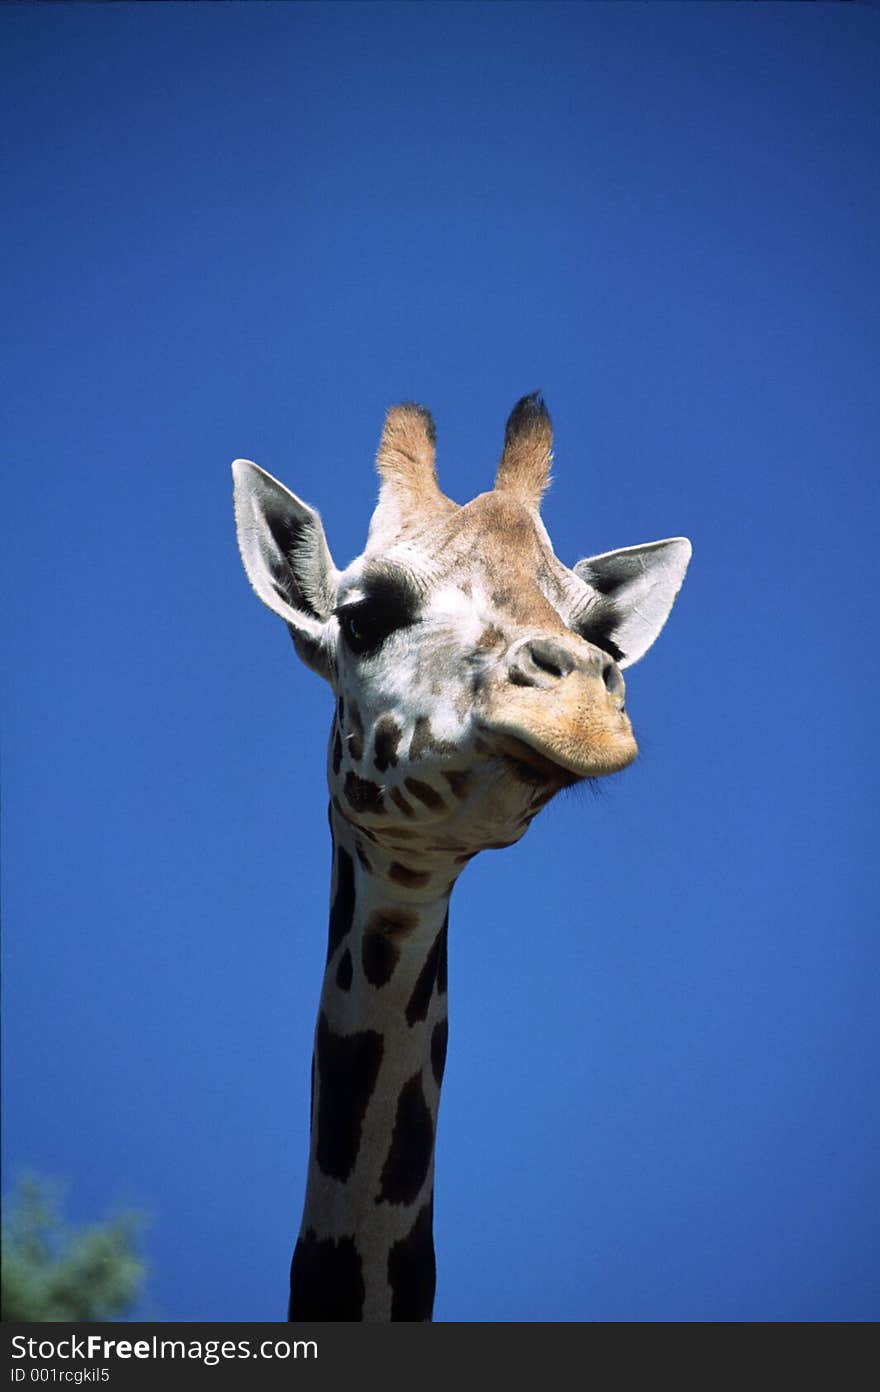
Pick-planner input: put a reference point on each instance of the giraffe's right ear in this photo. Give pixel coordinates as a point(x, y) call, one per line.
point(285, 554)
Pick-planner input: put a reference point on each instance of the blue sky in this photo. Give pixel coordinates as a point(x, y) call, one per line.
point(246, 230)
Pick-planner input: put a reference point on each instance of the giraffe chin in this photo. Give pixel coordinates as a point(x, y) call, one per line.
point(592, 757)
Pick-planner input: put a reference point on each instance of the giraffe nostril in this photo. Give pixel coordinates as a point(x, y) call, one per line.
point(539, 661)
point(611, 676)
point(543, 661)
point(546, 662)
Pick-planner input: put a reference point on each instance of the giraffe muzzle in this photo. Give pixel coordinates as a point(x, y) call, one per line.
point(564, 699)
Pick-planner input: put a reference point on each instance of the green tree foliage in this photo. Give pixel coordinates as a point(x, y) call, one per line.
point(52, 1272)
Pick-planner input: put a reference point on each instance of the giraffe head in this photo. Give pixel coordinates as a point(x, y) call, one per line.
point(475, 674)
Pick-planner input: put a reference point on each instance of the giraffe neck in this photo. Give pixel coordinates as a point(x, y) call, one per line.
point(366, 1249)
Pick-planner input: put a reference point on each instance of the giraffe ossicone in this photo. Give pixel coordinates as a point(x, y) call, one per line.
point(475, 676)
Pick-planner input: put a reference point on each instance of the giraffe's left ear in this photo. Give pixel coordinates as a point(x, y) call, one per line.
point(638, 586)
point(285, 555)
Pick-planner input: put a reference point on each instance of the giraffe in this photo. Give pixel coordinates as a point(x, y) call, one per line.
point(474, 677)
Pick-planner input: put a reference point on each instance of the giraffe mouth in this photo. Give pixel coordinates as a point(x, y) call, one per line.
point(563, 743)
point(532, 766)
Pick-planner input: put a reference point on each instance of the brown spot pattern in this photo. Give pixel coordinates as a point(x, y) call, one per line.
point(355, 733)
point(458, 781)
point(344, 971)
point(412, 1270)
point(442, 962)
point(379, 956)
point(396, 923)
point(423, 740)
point(363, 795)
point(417, 1005)
point(412, 1145)
point(403, 875)
point(490, 637)
point(425, 794)
point(326, 1279)
point(385, 742)
point(342, 908)
point(347, 1067)
point(439, 1040)
point(380, 951)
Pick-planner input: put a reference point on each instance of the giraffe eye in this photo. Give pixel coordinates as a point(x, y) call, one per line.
point(389, 604)
point(359, 628)
point(365, 626)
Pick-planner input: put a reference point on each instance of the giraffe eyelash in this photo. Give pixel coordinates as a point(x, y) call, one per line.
point(366, 623)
